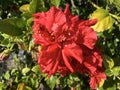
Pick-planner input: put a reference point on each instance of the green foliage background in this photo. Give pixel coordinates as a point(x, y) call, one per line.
point(16, 34)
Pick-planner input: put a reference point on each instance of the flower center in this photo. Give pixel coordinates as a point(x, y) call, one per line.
point(65, 38)
point(45, 33)
point(62, 39)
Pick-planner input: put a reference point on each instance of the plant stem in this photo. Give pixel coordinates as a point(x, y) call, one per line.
point(96, 6)
point(72, 2)
point(73, 5)
point(115, 16)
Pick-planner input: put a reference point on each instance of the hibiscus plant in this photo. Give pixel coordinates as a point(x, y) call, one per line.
point(59, 45)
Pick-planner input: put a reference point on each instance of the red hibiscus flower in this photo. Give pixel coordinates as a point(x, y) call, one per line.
point(67, 43)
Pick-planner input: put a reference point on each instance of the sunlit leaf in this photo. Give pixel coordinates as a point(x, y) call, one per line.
point(36, 69)
point(12, 26)
point(7, 75)
point(21, 86)
point(24, 8)
point(116, 71)
point(25, 70)
point(105, 21)
point(28, 88)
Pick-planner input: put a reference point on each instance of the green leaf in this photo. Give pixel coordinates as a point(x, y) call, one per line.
point(51, 82)
point(25, 70)
point(2, 86)
point(6, 36)
point(105, 21)
point(33, 6)
point(108, 62)
point(25, 9)
point(36, 69)
point(16, 79)
point(28, 88)
point(29, 22)
point(73, 80)
point(5, 42)
point(37, 6)
point(117, 4)
point(111, 1)
point(7, 75)
point(55, 2)
point(13, 71)
point(116, 71)
point(34, 82)
point(26, 14)
point(109, 72)
point(12, 26)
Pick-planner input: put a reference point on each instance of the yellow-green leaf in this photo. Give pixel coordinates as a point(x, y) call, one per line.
point(105, 21)
point(36, 69)
point(7, 75)
point(108, 62)
point(25, 70)
point(2, 86)
point(28, 88)
point(24, 8)
point(116, 72)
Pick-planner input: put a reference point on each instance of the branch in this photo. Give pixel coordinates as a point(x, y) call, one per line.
point(72, 2)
